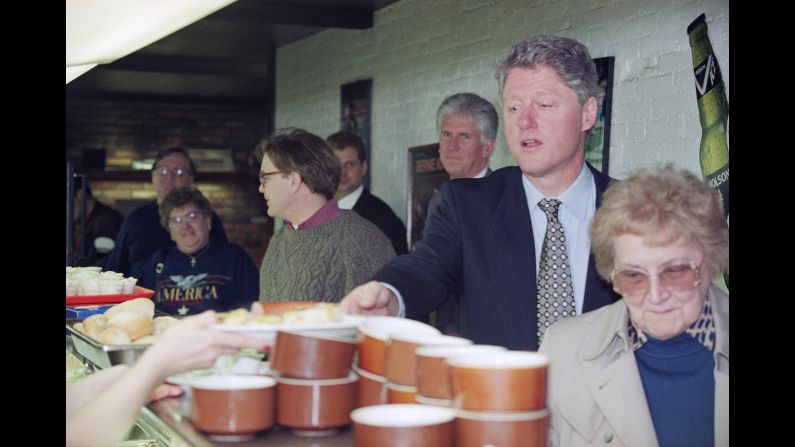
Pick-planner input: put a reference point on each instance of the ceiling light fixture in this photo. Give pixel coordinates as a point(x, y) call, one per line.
point(102, 31)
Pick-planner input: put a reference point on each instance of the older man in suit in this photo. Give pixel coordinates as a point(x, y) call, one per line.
point(467, 127)
point(492, 240)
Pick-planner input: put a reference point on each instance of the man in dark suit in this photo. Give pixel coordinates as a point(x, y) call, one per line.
point(485, 240)
point(467, 127)
point(351, 193)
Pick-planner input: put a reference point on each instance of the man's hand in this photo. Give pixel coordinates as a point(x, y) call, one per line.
point(371, 298)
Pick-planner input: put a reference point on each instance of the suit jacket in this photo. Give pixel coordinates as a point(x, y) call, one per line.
point(479, 246)
point(436, 200)
point(378, 212)
point(448, 316)
point(595, 391)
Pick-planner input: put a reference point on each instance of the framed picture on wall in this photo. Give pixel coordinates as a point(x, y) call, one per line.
point(597, 147)
point(355, 105)
point(426, 175)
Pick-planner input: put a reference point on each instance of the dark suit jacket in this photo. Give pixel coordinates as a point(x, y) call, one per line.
point(479, 246)
point(378, 212)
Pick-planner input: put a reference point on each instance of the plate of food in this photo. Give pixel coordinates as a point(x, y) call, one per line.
point(304, 316)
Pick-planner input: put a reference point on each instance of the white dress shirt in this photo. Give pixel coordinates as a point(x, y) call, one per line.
point(482, 173)
point(348, 202)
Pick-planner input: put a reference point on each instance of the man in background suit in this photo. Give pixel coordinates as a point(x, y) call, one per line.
point(467, 127)
point(484, 241)
point(351, 193)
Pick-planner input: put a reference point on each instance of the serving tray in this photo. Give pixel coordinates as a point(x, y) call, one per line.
point(138, 292)
point(103, 355)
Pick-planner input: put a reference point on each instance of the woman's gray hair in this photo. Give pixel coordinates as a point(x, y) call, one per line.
point(570, 59)
point(472, 105)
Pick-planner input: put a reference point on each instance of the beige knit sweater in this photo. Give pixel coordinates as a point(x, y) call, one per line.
point(323, 263)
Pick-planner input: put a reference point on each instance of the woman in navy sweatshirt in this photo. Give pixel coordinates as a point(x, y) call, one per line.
point(199, 272)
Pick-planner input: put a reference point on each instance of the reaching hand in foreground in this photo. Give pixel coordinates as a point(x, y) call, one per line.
point(371, 298)
point(191, 344)
point(117, 394)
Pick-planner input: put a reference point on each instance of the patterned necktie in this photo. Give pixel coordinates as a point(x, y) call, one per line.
point(555, 291)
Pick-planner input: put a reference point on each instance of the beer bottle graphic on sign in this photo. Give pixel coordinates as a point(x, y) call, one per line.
point(713, 112)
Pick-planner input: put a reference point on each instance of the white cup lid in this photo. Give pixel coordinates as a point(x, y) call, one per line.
point(402, 415)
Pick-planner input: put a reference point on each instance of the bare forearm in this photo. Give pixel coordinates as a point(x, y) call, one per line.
point(109, 416)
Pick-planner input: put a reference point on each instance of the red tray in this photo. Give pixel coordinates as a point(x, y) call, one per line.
point(139, 292)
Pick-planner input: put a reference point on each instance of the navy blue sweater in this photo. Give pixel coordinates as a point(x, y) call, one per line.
point(679, 384)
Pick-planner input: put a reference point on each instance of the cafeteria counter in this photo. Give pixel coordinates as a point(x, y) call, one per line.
point(166, 423)
point(173, 421)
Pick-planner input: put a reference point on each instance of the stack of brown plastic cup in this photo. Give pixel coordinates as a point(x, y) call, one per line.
point(501, 398)
point(403, 425)
point(315, 390)
point(371, 364)
point(401, 362)
point(433, 371)
point(232, 408)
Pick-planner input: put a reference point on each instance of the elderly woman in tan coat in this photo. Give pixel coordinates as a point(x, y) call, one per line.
point(653, 368)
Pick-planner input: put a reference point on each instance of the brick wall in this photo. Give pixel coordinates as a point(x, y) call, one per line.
point(144, 127)
point(418, 52)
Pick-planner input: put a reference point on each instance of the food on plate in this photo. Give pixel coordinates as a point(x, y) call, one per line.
point(284, 312)
point(320, 313)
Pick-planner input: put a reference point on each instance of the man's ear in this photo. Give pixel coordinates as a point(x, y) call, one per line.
point(295, 181)
point(489, 148)
point(589, 110)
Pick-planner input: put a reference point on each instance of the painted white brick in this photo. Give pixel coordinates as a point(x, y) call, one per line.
point(419, 51)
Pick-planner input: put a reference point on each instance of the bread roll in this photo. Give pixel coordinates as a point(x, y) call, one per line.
point(163, 323)
point(94, 325)
point(143, 306)
point(79, 327)
point(136, 325)
point(114, 336)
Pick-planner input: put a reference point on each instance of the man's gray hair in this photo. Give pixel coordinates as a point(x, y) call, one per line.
point(473, 105)
point(570, 59)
